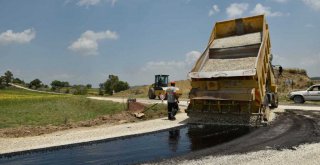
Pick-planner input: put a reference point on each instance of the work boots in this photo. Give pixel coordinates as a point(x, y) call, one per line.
point(170, 116)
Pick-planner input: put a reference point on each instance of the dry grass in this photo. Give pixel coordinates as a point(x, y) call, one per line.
point(185, 87)
point(135, 92)
point(296, 71)
point(298, 76)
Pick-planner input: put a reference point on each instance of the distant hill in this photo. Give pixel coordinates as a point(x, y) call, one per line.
point(315, 78)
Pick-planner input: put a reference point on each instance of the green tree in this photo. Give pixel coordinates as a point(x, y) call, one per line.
point(121, 86)
point(114, 84)
point(101, 89)
point(8, 77)
point(89, 86)
point(65, 84)
point(36, 83)
point(18, 81)
point(56, 84)
point(2, 82)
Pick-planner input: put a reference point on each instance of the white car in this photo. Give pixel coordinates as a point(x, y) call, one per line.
point(311, 94)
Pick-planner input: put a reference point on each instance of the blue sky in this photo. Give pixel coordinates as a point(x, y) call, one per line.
point(83, 41)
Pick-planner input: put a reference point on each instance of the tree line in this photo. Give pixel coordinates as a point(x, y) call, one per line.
point(109, 87)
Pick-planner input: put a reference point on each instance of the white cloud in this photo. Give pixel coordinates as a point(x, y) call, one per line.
point(236, 9)
point(163, 65)
point(314, 4)
point(87, 44)
point(192, 57)
point(177, 70)
point(62, 76)
point(215, 9)
point(113, 2)
point(311, 64)
point(281, 1)
point(88, 3)
point(260, 9)
point(10, 37)
point(309, 26)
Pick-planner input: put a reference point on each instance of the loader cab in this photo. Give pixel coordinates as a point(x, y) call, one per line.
point(161, 81)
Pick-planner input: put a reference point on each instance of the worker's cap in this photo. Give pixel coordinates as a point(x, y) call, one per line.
point(172, 82)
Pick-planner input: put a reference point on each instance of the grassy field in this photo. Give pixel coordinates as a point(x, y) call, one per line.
point(24, 108)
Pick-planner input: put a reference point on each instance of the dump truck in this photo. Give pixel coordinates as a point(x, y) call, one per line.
point(233, 81)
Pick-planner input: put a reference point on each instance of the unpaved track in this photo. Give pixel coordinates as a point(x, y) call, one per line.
point(28, 89)
point(291, 129)
point(182, 103)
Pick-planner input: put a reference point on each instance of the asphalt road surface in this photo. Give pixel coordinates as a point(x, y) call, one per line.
point(289, 130)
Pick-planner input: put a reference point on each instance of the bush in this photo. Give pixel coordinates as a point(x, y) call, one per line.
point(297, 71)
point(89, 86)
point(79, 90)
point(310, 83)
point(35, 84)
point(2, 82)
point(18, 81)
point(56, 84)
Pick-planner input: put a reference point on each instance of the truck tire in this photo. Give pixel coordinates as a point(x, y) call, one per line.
point(275, 103)
point(151, 94)
point(298, 99)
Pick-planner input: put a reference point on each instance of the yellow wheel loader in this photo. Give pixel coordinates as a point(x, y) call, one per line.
point(159, 87)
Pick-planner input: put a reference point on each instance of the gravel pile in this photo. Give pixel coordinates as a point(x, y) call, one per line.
point(236, 41)
point(216, 65)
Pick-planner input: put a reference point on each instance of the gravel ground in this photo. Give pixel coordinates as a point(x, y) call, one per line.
point(236, 41)
point(217, 65)
point(305, 154)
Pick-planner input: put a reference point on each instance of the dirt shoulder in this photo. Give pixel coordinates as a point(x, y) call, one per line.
point(149, 112)
point(83, 134)
point(110, 120)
